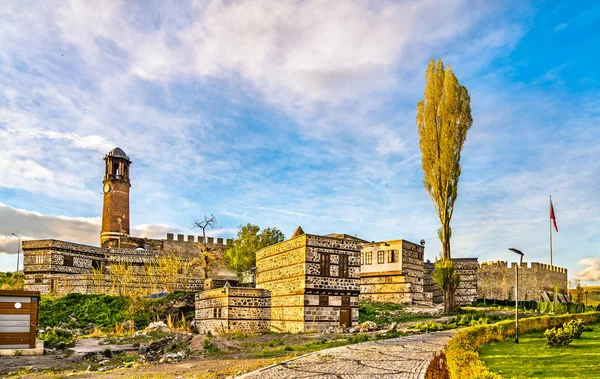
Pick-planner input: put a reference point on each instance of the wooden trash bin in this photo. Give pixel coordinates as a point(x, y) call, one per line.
point(18, 319)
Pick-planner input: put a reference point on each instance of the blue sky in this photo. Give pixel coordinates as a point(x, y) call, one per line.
point(301, 113)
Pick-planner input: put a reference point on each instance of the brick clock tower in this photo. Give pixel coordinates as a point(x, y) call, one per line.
point(115, 212)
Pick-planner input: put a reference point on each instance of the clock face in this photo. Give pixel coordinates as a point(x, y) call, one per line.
point(106, 188)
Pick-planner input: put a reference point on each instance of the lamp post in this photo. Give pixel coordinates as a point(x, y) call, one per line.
point(517, 293)
point(18, 249)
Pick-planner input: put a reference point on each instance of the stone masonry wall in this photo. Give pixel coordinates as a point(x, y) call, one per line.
point(225, 310)
point(281, 270)
point(466, 293)
point(496, 280)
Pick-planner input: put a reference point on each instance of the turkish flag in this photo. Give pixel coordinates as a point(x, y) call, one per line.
point(552, 216)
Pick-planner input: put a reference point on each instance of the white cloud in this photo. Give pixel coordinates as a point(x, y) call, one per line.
point(591, 272)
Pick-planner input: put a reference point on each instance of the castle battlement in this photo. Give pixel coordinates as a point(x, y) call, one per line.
point(193, 239)
point(525, 266)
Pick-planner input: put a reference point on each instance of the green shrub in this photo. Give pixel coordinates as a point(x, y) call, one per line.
point(558, 337)
point(574, 328)
point(209, 346)
point(58, 338)
point(461, 354)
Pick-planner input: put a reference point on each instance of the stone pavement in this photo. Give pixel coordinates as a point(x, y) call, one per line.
point(404, 357)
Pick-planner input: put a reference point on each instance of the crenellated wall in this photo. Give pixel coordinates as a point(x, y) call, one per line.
point(496, 280)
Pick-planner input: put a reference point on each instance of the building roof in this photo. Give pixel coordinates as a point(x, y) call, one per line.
point(118, 153)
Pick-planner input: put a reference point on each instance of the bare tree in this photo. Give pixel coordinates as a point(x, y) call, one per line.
point(207, 223)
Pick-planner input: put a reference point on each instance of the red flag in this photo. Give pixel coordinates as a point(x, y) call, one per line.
point(552, 216)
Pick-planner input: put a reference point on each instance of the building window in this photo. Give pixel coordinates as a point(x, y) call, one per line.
point(368, 258)
point(388, 279)
point(380, 257)
point(362, 259)
point(344, 271)
point(96, 265)
point(392, 256)
point(38, 279)
point(39, 259)
point(217, 313)
point(325, 264)
point(323, 300)
point(68, 261)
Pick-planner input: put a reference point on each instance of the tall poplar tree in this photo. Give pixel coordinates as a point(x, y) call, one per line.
point(443, 119)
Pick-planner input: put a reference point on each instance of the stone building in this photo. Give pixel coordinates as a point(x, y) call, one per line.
point(61, 267)
point(496, 280)
point(309, 282)
point(392, 272)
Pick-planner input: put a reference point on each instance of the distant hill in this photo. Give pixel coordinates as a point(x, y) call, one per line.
point(593, 297)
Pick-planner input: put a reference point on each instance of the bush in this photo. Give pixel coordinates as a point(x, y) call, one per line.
point(574, 327)
point(558, 337)
point(58, 338)
point(462, 358)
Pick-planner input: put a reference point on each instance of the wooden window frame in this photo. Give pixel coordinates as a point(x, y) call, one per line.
point(368, 258)
point(323, 300)
point(393, 256)
point(380, 257)
point(344, 269)
point(325, 261)
point(68, 261)
point(362, 259)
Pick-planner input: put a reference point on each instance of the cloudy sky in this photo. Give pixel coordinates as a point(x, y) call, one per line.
point(301, 113)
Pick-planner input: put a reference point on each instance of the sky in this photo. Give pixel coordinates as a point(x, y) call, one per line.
point(303, 113)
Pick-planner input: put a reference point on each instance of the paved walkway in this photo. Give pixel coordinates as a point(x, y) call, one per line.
point(404, 357)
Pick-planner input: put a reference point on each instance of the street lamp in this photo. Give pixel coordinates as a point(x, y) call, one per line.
point(18, 249)
point(517, 292)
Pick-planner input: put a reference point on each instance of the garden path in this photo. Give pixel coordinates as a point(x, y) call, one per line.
point(404, 357)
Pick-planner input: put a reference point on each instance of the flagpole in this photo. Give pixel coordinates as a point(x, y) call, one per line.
point(550, 220)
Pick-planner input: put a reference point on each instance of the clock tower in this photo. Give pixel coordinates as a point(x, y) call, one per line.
point(115, 211)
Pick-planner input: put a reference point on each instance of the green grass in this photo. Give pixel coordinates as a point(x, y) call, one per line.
point(385, 313)
point(532, 358)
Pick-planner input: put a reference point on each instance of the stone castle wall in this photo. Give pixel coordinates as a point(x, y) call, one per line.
point(431, 289)
point(53, 266)
point(496, 280)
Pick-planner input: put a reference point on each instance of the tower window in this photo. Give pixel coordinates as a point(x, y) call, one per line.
point(116, 169)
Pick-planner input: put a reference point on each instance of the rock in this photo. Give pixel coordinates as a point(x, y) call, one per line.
point(158, 325)
point(394, 325)
point(367, 326)
point(143, 349)
point(352, 330)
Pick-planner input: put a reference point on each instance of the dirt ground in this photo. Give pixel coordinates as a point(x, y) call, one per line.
point(234, 356)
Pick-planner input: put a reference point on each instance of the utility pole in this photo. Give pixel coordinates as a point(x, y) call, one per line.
point(18, 249)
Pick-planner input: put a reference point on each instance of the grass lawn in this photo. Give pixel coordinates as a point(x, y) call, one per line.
point(532, 358)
